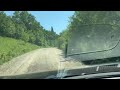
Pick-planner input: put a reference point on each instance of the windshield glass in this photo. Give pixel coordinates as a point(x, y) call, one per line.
point(44, 43)
point(93, 38)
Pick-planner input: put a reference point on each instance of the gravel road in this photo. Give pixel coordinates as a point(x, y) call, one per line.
point(40, 60)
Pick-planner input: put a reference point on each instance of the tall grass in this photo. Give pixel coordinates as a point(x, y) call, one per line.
point(10, 48)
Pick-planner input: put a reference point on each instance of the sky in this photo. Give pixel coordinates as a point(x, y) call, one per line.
point(59, 20)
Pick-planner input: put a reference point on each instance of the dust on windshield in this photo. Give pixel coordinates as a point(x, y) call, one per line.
point(35, 41)
point(93, 38)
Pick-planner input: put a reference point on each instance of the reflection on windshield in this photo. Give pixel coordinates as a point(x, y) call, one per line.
point(27, 45)
point(92, 38)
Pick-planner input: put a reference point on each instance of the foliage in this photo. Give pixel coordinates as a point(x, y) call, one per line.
point(10, 48)
point(23, 25)
point(86, 18)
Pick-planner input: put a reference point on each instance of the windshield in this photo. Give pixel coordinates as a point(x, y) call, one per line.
point(44, 43)
point(93, 38)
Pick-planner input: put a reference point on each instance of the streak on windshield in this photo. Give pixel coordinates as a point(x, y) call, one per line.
point(93, 38)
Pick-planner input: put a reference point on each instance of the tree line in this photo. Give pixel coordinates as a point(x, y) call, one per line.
point(85, 18)
point(23, 25)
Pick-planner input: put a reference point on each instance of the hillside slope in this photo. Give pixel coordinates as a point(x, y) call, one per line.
point(10, 48)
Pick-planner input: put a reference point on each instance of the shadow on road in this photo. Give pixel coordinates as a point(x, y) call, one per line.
point(39, 75)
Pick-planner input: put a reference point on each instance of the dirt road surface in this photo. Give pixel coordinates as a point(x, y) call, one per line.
point(40, 60)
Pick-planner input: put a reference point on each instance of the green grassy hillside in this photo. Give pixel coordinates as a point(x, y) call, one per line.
point(10, 48)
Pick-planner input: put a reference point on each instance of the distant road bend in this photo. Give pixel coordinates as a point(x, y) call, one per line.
point(40, 60)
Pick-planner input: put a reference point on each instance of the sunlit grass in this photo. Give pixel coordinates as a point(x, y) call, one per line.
point(10, 48)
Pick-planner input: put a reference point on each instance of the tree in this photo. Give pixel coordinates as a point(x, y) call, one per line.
point(85, 18)
point(62, 39)
point(23, 25)
point(52, 30)
point(32, 37)
point(25, 37)
point(7, 27)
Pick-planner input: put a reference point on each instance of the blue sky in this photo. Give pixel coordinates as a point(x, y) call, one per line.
point(57, 19)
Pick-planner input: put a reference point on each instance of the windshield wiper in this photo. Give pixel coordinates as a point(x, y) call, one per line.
point(94, 76)
point(97, 69)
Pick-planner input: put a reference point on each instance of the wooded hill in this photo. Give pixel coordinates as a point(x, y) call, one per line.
point(23, 25)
